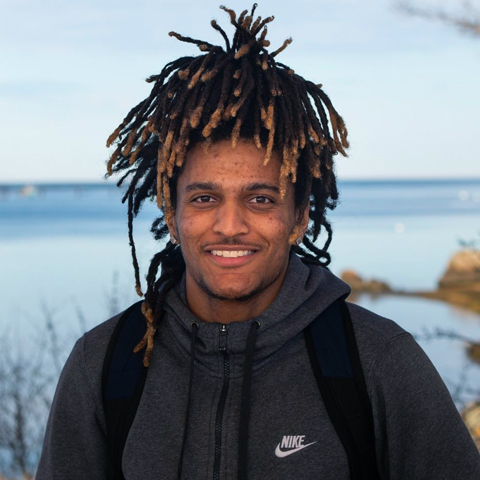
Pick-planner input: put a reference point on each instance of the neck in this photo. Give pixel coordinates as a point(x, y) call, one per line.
point(211, 309)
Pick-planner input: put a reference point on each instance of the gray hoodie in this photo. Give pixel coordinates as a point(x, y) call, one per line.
point(419, 433)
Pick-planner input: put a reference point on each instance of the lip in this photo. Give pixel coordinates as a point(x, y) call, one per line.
point(231, 261)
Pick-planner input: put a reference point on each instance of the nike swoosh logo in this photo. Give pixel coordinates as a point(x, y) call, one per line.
point(280, 454)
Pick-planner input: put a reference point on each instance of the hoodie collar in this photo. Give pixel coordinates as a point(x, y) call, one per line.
point(307, 290)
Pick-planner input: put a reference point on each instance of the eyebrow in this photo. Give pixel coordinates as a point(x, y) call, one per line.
point(192, 187)
point(262, 186)
point(202, 186)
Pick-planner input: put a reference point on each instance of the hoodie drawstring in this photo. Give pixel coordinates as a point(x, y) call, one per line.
point(190, 385)
point(245, 403)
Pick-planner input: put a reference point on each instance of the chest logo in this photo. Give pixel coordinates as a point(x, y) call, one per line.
point(291, 444)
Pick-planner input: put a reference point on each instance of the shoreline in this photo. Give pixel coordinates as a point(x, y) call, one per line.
point(468, 298)
point(459, 285)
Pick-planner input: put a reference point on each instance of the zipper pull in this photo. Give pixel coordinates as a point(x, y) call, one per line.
point(223, 338)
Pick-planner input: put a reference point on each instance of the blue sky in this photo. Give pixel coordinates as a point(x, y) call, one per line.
point(71, 70)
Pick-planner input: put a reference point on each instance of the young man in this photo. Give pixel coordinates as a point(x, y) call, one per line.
point(238, 151)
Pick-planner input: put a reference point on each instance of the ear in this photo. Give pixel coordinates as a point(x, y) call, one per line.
point(301, 224)
point(303, 217)
point(171, 225)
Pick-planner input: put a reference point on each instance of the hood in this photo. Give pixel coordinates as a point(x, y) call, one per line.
point(306, 291)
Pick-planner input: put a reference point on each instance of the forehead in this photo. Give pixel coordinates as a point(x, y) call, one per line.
point(229, 167)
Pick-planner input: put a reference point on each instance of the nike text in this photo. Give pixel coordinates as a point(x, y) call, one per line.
point(291, 444)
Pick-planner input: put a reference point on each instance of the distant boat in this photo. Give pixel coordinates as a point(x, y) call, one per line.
point(29, 191)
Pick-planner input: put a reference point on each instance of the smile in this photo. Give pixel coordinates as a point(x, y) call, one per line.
point(231, 253)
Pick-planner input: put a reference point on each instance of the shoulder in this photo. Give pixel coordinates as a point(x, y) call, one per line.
point(91, 348)
point(369, 324)
point(418, 430)
point(94, 343)
point(375, 335)
point(390, 355)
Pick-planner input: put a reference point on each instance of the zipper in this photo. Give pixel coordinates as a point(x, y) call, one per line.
point(221, 402)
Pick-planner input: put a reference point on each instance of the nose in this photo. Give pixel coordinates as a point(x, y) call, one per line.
point(231, 219)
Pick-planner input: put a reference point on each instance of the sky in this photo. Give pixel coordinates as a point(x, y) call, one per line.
point(71, 70)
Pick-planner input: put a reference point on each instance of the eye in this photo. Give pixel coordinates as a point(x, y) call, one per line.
point(203, 199)
point(261, 200)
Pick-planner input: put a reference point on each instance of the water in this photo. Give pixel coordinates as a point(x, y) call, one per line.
point(404, 232)
point(66, 247)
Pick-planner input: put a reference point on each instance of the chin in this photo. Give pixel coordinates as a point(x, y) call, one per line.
point(232, 293)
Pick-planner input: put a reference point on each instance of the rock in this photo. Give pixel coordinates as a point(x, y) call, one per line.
point(360, 285)
point(352, 278)
point(473, 352)
point(463, 268)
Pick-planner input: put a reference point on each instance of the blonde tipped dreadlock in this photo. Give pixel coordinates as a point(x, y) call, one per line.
point(236, 91)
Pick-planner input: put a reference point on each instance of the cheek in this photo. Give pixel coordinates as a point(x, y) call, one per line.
point(184, 223)
point(188, 230)
point(276, 227)
point(191, 226)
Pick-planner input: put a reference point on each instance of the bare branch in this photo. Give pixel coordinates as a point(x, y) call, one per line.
point(467, 20)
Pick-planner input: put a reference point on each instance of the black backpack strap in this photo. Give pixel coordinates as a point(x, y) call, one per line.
point(123, 379)
point(336, 364)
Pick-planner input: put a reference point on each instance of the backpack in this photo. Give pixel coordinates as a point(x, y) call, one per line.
point(333, 354)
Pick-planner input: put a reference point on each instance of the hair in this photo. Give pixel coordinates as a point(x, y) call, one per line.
point(232, 92)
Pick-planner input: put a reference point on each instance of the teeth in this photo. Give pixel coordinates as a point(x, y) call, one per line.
point(231, 254)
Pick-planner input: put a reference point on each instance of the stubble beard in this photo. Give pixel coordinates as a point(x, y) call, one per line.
point(262, 285)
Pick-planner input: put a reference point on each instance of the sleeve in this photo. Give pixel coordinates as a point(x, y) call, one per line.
point(75, 445)
point(419, 432)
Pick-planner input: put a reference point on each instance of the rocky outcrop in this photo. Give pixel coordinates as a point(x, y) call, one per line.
point(463, 269)
point(359, 284)
point(460, 284)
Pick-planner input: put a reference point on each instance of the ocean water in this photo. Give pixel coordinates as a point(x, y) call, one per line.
point(65, 248)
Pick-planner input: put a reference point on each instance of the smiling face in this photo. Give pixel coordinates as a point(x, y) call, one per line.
point(235, 230)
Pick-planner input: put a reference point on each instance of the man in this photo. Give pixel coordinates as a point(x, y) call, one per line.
point(238, 151)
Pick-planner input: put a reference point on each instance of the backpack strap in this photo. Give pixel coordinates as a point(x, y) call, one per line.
point(123, 379)
point(336, 364)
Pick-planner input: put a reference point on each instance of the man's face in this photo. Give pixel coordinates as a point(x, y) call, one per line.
point(232, 224)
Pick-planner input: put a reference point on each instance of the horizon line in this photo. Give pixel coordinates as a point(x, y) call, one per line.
point(41, 183)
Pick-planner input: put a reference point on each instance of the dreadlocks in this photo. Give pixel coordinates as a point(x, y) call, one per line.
point(239, 91)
